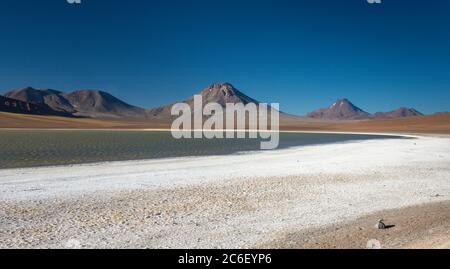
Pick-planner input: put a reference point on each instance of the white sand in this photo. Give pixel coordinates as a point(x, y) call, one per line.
point(221, 201)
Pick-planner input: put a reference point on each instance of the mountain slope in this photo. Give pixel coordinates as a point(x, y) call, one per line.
point(342, 109)
point(402, 112)
point(83, 103)
point(31, 95)
point(51, 98)
point(223, 93)
point(97, 104)
point(17, 106)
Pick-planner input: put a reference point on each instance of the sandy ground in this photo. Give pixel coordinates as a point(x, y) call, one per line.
point(274, 198)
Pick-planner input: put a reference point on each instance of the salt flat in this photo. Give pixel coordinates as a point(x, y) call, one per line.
point(234, 201)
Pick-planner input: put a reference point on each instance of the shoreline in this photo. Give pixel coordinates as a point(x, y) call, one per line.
point(225, 201)
point(381, 133)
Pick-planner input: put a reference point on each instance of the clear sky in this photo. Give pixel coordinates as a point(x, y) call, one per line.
point(302, 54)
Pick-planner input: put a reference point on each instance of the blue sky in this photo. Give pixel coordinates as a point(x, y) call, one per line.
point(302, 54)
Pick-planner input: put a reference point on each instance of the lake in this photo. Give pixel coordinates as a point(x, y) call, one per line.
point(29, 148)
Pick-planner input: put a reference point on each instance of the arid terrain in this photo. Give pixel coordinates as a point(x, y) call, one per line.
point(263, 199)
point(94, 109)
point(416, 227)
point(224, 125)
point(23, 121)
point(325, 196)
point(437, 124)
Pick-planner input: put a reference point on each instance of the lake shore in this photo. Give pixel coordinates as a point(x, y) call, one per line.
point(235, 201)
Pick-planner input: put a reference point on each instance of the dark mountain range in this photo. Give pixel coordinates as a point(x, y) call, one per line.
point(51, 98)
point(17, 106)
point(99, 104)
point(83, 103)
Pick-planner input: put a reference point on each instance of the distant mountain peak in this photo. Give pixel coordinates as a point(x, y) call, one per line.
point(225, 89)
point(220, 93)
point(343, 100)
point(223, 93)
point(28, 88)
point(32, 89)
point(221, 85)
point(342, 109)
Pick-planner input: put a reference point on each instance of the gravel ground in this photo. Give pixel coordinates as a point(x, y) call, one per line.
point(415, 227)
point(238, 201)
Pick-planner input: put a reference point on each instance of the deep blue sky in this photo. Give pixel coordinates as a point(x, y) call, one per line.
point(302, 54)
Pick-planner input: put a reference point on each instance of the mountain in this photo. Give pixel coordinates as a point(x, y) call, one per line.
point(402, 112)
point(51, 98)
point(221, 93)
point(83, 103)
point(31, 95)
point(342, 109)
point(98, 104)
point(17, 106)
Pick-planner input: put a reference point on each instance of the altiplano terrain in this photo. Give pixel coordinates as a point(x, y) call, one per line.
point(233, 201)
point(439, 124)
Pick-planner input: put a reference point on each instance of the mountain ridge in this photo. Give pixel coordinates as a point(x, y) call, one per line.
point(80, 103)
point(16, 106)
point(344, 109)
point(101, 104)
point(402, 112)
